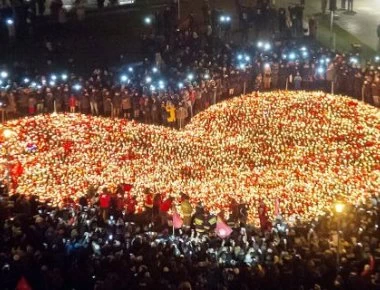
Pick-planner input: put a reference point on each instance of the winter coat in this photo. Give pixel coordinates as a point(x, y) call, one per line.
point(181, 113)
point(171, 111)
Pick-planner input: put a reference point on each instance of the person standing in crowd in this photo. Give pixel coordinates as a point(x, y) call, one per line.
point(104, 203)
point(154, 111)
point(126, 105)
point(343, 4)
point(267, 76)
point(187, 210)
point(350, 7)
point(72, 103)
point(297, 81)
point(181, 115)
point(148, 204)
point(171, 111)
point(165, 206)
point(107, 103)
point(275, 74)
point(116, 103)
point(94, 102)
point(313, 26)
point(198, 223)
point(323, 6)
point(258, 82)
point(376, 91)
point(85, 102)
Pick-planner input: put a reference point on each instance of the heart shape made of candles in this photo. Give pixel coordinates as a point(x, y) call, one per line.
point(297, 152)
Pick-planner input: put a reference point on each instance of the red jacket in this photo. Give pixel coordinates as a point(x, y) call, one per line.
point(131, 206)
point(105, 200)
point(166, 205)
point(72, 101)
point(148, 201)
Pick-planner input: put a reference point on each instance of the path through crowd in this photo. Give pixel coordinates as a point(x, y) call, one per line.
point(361, 24)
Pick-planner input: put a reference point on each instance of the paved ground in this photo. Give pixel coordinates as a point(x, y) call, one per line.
point(362, 24)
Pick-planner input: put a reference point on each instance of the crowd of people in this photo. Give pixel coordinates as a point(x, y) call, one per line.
point(186, 69)
point(187, 77)
point(100, 242)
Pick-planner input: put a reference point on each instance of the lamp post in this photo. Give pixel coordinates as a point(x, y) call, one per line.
point(7, 134)
point(339, 208)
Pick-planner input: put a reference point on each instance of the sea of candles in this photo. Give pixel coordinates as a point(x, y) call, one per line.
point(302, 149)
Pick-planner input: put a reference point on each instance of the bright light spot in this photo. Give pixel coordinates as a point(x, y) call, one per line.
point(148, 20)
point(180, 85)
point(148, 80)
point(123, 78)
point(53, 77)
point(267, 46)
point(190, 77)
point(10, 21)
point(8, 133)
point(339, 207)
point(354, 60)
point(155, 70)
point(64, 77)
point(26, 80)
point(4, 74)
point(292, 56)
point(77, 87)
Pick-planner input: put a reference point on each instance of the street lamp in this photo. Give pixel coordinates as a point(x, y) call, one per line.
point(339, 208)
point(148, 20)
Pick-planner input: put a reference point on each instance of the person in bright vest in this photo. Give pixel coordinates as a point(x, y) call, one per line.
point(210, 222)
point(199, 219)
point(104, 202)
point(187, 210)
